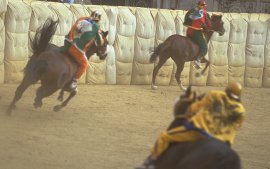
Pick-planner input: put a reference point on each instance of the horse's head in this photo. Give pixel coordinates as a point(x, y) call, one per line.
point(181, 106)
point(102, 47)
point(217, 24)
point(183, 102)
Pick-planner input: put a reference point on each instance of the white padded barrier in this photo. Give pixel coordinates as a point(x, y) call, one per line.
point(236, 48)
point(144, 41)
point(112, 13)
point(266, 70)
point(66, 20)
point(3, 9)
point(40, 13)
point(217, 54)
point(256, 38)
point(79, 10)
point(124, 45)
point(16, 41)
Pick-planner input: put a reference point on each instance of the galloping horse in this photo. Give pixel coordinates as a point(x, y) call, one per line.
point(52, 67)
point(182, 49)
point(208, 153)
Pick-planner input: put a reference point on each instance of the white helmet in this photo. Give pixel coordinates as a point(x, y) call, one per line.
point(96, 15)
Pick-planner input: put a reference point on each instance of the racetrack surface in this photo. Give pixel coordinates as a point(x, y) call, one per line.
point(111, 127)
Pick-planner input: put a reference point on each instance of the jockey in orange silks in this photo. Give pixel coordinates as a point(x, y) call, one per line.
point(82, 35)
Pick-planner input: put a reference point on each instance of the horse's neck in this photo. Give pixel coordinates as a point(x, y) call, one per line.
point(208, 35)
point(176, 123)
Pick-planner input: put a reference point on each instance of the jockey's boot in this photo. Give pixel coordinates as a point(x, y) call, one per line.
point(149, 163)
point(73, 84)
point(201, 55)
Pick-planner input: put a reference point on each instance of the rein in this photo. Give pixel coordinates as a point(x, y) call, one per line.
point(214, 31)
point(180, 116)
point(89, 44)
point(190, 127)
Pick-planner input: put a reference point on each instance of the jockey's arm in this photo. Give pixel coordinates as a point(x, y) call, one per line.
point(96, 29)
point(88, 36)
point(74, 27)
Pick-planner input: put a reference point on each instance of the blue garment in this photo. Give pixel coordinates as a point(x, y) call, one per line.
point(196, 14)
point(67, 1)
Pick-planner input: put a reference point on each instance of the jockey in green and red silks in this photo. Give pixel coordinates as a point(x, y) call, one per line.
point(84, 32)
point(199, 20)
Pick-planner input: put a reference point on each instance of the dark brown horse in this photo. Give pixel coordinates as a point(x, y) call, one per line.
point(182, 49)
point(52, 67)
point(208, 153)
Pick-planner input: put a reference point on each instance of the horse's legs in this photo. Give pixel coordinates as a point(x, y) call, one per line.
point(204, 69)
point(61, 95)
point(18, 94)
point(155, 71)
point(179, 69)
point(43, 91)
point(206, 66)
point(71, 95)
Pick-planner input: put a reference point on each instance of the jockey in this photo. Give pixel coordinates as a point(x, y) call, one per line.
point(217, 114)
point(82, 35)
point(196, 19)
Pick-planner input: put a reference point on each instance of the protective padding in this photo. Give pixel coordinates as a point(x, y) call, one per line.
point(17, 19)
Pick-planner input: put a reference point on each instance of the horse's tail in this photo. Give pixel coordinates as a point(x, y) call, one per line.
point(43, 36)
point(39, 43)
point(158, 51)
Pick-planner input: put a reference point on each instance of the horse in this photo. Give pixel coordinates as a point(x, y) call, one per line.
point(54, 68)
point(207, 153)
point(182, 49)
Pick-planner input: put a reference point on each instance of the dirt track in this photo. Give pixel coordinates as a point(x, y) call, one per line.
point(111, 127)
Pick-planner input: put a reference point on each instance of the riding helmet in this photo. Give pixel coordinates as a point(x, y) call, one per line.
point(96, 15)
point(201, 3)
point(234, 90)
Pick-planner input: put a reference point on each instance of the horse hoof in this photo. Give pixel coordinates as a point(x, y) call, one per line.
point(182, 88)
point(37, 105)
point(8, 112)
point(57, 108)
point(197, 67)
point(197, 74)
point(60, 99)
point(154, 87)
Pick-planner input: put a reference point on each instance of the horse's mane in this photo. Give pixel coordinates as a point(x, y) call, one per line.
point(43, 36)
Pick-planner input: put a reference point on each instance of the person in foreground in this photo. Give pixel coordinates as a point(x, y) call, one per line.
point(214, 116)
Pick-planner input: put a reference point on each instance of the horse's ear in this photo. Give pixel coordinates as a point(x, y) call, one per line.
point(208, 16)
point(188, 91)
point(106, 33)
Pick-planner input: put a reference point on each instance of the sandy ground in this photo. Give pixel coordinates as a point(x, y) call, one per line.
point(111, 127)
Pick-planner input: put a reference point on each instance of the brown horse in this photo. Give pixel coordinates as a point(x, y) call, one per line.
point(208, 153)
point(182, 49)
point(52, 67)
